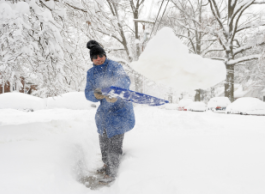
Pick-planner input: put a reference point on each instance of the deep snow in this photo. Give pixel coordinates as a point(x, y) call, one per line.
point(168, 151)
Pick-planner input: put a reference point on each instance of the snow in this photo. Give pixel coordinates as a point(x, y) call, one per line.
point(185, 102)
point(240, 92)
point(50, 4)
point(47, 151)
point(16, 100)
point(43, 156)
point(5, 11)
point(247, 105)
point(22, 8)
point(197, 106)
point(171, 106)
point(72, 100)
point(21, 101)
point(167, 61)
point(8, 12)
point(218, 101)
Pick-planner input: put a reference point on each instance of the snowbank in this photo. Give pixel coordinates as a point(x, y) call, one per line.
point(72, 100)
point(16, 100)
point(167, 61)
point(247, 105)
point(21, 101)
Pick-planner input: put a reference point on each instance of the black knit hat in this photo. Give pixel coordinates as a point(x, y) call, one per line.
point(95, 49)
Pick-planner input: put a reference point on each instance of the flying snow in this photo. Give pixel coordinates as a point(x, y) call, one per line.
point(166, 60)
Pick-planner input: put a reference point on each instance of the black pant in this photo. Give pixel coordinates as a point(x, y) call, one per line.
point(111, 150)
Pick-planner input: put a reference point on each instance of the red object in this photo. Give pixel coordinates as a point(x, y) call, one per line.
point(182, 109)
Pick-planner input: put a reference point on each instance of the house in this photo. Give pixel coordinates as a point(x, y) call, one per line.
point(22, 86)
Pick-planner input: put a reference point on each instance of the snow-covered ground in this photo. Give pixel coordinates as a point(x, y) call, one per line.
point(168, 151)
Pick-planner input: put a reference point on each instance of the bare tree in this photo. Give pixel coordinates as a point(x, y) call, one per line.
point(110, 19)
point(231, 24)
point(135, 7)
point(190, 23)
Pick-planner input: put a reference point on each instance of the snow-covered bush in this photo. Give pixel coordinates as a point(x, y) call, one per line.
point(35, 44)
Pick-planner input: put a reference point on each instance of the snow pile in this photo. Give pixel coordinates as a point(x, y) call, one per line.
point(171, 106)
point(167, 61)
point(21, 101)
point(247, 105)
point(72, 100)
point(218, 101)
point(197, 106)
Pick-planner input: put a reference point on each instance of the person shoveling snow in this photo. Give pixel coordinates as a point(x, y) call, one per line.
point(114, 116)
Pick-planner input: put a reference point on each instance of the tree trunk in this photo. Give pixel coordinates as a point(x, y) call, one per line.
point(229, 84)
point(170, 98)
point(138, 77)
point(212, 92)
point(137, 35)
point(198, 96)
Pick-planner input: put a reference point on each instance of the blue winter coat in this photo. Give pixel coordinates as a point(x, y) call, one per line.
point(116, 118)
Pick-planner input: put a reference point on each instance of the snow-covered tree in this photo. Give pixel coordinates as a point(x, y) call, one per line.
point(112, 24)
point(36, 45)
point(233, 21)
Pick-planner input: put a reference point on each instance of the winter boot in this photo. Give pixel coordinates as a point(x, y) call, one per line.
point(102, 170)
point(106, 179)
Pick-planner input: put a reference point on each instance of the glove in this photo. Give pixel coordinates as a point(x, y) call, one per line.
point(111, 100)
point(98, 94)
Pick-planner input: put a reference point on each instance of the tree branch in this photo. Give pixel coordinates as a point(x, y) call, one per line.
point(247, 47)
point(77, 8)
point(213, 50)
point(243, 59)
point(218, 58)
point(247, 27)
